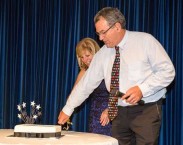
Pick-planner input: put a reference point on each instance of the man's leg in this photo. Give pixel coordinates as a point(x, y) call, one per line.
point(120, 128)
point(138, 125)
point(147, 125)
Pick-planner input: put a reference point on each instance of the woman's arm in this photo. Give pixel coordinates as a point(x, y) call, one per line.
point(80, 75)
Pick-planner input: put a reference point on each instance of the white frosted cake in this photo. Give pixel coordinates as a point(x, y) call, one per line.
point(36, 130)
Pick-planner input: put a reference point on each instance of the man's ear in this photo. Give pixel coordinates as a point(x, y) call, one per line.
point(118, 26)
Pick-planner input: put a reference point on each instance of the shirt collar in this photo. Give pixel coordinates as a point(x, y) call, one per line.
point(123, 41)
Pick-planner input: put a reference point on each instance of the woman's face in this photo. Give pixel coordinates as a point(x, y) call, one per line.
point(86, 57)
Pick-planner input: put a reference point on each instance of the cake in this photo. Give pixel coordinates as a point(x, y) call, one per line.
point(37, 130)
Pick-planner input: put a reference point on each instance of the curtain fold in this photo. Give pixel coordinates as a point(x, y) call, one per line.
point(38, 61)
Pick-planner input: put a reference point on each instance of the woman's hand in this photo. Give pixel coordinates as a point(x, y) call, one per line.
point(104, 118)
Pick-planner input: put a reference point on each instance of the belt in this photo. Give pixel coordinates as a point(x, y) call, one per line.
point(159, 102)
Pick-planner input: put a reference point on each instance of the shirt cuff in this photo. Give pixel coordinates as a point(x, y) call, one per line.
point(145, 90)
point(67, 110)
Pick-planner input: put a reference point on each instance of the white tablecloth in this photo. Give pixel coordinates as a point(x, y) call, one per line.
point(68, 138)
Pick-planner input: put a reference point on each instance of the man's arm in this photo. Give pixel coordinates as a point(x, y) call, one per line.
point(163, 69)
point(162, 75)
point(91, 80)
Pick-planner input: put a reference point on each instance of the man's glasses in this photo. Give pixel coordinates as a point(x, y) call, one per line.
point(104, 32)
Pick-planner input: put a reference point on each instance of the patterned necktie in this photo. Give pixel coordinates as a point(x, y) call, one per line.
point(113, 99)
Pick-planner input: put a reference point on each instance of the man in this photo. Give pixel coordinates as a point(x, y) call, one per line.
point(145, 72)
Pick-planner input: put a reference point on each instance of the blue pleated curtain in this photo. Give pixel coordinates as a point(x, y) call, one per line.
point(38, 61)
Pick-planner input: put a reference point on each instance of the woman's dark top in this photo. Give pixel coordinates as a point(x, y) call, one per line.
point(99, 102)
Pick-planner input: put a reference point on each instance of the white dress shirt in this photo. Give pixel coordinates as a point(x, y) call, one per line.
point(143, 63)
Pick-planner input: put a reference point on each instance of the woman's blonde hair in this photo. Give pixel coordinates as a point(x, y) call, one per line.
point(86, 44)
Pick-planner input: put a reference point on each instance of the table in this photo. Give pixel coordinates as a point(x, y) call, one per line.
point(68, 138)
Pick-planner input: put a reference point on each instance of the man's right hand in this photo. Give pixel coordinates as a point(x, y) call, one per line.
point(62, 118)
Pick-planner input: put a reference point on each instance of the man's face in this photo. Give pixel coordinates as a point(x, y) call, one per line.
point(106, 33)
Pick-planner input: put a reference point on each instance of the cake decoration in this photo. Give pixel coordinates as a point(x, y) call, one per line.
point(35, 113)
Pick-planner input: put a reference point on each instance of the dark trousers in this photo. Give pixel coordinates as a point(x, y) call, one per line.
point(138, 125)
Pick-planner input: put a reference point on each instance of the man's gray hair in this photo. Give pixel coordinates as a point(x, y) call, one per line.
point(111, 15)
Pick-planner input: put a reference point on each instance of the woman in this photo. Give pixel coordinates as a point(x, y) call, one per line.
point(98, 118)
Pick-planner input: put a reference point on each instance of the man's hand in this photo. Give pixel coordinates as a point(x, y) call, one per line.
point(133, 95)
point(62, 118)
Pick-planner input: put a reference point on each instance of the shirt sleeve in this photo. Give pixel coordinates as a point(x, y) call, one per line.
point(91, 80)
point(163, 70)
